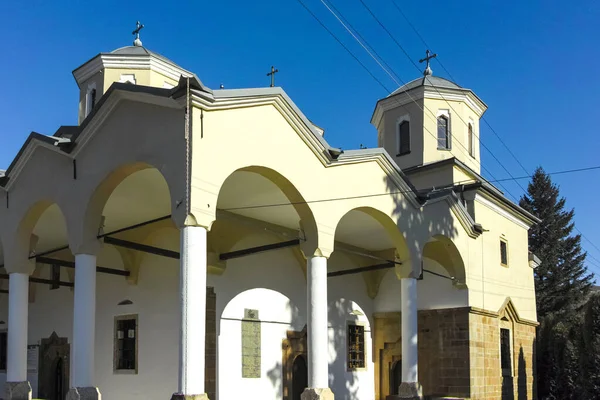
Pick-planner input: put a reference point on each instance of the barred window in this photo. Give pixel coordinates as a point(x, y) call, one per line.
point(356, 347)
point(126, 343)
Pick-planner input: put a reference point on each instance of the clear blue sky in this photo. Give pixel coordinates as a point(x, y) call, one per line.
point(533, 62)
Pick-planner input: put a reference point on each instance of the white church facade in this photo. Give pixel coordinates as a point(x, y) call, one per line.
point(189, 243)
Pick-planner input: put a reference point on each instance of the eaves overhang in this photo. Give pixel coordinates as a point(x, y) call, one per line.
point(405, 97)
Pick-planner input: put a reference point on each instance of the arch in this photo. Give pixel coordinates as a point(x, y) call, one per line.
point(442, 250)
point(86, 237)
point(397, 240)
point(24, 241)
point(307, 224)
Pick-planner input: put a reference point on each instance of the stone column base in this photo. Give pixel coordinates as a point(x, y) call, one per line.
point(17, 391)
point(408, 391)
point(179, 396)
point(84, 393)
point(317, 394)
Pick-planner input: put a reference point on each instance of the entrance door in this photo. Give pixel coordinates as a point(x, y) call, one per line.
point(53, 377)
point(395, 377)
point(299, 377)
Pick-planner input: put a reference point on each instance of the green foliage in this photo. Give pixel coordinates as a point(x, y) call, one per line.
point(568, 343)
point(562, 281)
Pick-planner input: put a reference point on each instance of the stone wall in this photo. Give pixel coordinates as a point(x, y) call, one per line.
point(459, 354)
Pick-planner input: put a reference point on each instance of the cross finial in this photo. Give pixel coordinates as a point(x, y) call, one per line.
point(428, 57)
point(272, 75)
point(138, 27)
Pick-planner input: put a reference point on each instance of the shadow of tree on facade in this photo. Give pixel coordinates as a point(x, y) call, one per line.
point(522, 376)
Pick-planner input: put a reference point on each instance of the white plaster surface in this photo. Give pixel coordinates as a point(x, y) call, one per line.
point(272, 282)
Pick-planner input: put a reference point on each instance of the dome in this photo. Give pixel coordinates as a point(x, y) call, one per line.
point(139, 51)
point(432, 81)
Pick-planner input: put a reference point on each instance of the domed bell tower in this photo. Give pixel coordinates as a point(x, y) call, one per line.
point(429, 120)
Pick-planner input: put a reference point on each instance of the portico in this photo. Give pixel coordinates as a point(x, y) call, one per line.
point(181, 239)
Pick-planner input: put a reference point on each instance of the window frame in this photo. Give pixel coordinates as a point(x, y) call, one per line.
point(89, 101)
point(470, 138)
point(504, 242)
point(445, 115)
point(399, 122)
point(117, 319)
point(506, 372)
point(364, 341)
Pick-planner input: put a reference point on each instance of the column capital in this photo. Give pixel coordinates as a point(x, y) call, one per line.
point(89, 247)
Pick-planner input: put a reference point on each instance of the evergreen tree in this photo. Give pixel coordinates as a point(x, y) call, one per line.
point(562, 282)
point(590, 349)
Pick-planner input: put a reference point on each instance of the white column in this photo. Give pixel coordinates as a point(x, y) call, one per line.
point(409, 330)
point(84, 321)
point(318, 338)
point(193, 310)
point(18, 307)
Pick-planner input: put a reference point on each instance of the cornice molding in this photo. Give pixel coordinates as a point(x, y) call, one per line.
point(427, 92)
point(317, 146)
point(116, 61)
point(489, 201)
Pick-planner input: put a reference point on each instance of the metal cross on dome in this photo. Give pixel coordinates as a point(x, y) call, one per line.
point(428, 57)
point(136, 32)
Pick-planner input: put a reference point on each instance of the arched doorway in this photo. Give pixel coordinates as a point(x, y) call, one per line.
point(299, 377)
point(395, 376)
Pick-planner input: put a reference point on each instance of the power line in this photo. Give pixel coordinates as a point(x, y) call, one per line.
point(436, 89)
point(405, 91)
point(364, 46)
point(483, 117)
point(395, 192)
point(452, 77)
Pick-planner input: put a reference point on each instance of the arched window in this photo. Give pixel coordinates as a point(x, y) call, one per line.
point(443, 132)
point(403, 138)
point(470, 139)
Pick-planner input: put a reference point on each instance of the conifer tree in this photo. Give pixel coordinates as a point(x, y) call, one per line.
point(562, 281)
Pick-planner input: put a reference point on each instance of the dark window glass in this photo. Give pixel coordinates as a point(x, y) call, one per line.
point(404, 145)
point(3, 339)
point(356, 346)
point(443, 134)
point(505, 351)
point(125, 344)
point(92, 100)
point(471, 141)
point(55, 271)
point(503, 253)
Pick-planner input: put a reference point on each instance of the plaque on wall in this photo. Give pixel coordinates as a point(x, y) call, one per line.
point(32, 357)
point(251, 344)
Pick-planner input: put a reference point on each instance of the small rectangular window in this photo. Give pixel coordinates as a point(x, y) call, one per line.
point(503, 252)
point(404, 138)
point(471, 148)
point(125, 358)
point(356, 347)
point(55, 272)
point(505, 358)
point(3, 347)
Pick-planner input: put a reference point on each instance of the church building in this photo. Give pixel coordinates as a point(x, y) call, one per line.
point(183, 242)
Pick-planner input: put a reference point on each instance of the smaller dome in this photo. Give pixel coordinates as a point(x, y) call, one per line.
point(140, 51)
point(432, 81)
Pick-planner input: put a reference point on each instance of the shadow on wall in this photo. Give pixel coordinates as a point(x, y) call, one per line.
point(344, 384)
point(417, 221)
point(522, 376)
